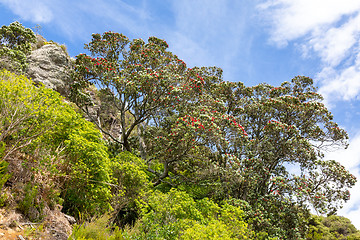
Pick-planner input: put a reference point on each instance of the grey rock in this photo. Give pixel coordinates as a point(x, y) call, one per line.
point(49, 65)
point(71, 219)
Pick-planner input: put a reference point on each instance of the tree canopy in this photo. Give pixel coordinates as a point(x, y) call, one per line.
point(15, 45)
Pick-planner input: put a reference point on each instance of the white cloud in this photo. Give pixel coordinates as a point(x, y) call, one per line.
point(291, 19)
point(350, 158)
point(327, 29)
point(340, 85)
point(333, 45)
point(31, 10)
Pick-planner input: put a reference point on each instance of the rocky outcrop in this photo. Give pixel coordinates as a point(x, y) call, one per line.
point(55, 226)
point(49, 65)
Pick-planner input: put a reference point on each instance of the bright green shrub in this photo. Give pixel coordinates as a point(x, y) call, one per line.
point(65, 149)
point(214, 230)
point(96, 230)
point(232, 217)
point(176, 215)
point(164, 214)
point(167, 214)
point(132, 183)
point(87, 188)
point(208, 208)
point(85, 164)
point(26, 112)
point(129, 173)
point(173, 205)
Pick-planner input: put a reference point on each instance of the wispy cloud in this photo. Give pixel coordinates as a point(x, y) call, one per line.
point(292, 19)
point(131, 18)
point(76, 18)
point(31, 10)
point(340, 84)
point(327, 29)
point(213, 33)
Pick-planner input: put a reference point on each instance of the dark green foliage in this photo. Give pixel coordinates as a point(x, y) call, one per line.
point(339, 226)
point(330, 228)
point(4, 176)
point(30, 205)
point(15, 45)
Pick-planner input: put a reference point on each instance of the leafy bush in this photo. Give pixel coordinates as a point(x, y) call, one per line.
point(85, 165)
point(129, 172)
point(4, 176)
point(132, 183)
point(214, 230)
point(66, 150)
point(176, 215)
point(96, 230)
point(15, 44)
point(331, 227)
point(87, 184)
point(339, 226)
point(26, 112)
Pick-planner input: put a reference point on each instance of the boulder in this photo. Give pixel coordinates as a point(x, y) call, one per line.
point(50, 65)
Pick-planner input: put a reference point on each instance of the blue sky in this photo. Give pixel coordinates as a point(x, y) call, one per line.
point(253, 41)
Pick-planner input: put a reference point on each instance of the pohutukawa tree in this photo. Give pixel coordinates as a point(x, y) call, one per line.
point(288, 128)
point(190, 125)
point(152, 97)
point(135, 78)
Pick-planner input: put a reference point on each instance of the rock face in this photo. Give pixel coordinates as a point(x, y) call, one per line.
point(49, 65)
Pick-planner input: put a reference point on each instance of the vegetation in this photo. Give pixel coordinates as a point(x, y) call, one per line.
point(170, 152)
point(54, 144)
point(332, 227)
point(15, 45)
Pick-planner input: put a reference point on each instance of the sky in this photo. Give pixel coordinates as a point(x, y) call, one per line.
point(253, 41)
